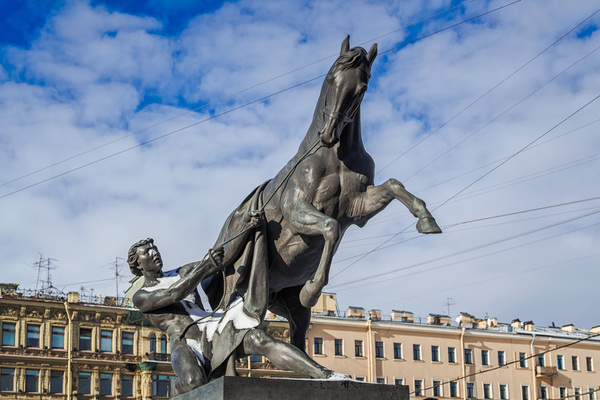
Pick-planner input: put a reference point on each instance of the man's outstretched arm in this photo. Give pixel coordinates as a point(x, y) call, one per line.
point(149, 300)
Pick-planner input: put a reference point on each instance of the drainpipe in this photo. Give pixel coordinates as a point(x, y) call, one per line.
point(69, 354)
point(371, 358)
point(533, 368)
point(462, 360)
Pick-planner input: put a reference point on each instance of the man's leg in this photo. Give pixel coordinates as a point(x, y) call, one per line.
point(283, 355)
point(190, 374)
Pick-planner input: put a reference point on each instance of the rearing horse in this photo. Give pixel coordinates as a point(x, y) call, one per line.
point(326, 187)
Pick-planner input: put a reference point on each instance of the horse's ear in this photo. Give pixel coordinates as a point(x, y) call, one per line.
point(345, 45)
point(372, 54)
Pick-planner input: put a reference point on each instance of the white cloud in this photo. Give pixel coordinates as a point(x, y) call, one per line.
point(93, 74)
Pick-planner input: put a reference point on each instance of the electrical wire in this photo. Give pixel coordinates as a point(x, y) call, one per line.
point(488, 92)
point(592, 336)
point(225, 97)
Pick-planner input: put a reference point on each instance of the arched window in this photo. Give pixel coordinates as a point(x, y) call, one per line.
point(163, 344)
point(152, 343)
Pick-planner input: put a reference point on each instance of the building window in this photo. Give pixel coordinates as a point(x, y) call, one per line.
point(522, 360)
point(106, 384)
point(543, 392)
point(381, 379)
point(451, 355)
point(152, 343)
point(85, 339)
point(453, 389)
point(255, 358)
point(591, 393)
point(339, 347)
point(418, 387)
point(470, 390)
point(577, 393)
point(56, 381)
point(524, 392)
point(468, 356)
point(437, 388)
point(358, 348)
point(575, 363)
point(589, 364)
point(487, 391)
point(501, 358)
point(85, 379)
point(127, 385)
point(435, 353)
point(485, 357)
point(8, 334)
point(318, 348)
point(32, 380)
point(163, 344)
point(8, 379)
point(416, 351)
point(58, 337)
point(127, 342)
point(161, 385)
point(398, 381)
point(562, 392)
point(360, 378)
point(560, 362)
point(106, 340)
point(398, 351)
point(503, 391)
point(379, 349)
point(33, 335)
point(540, 360)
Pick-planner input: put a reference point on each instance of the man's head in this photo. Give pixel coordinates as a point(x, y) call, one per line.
point(144, 256)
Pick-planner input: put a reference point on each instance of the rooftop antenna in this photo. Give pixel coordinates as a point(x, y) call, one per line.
point(47, 284)
point(117, 268)
point(449, 302)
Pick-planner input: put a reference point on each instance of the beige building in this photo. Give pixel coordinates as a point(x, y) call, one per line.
point(54, 348)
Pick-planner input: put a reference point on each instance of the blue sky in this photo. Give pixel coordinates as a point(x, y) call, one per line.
point(486, 121)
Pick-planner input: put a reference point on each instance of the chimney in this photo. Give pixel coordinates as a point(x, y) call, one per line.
point(73, 297)
point(516, 323)
point(375, 315)
point(402, 316)
point(438, 319)
point(595, 329)
point(529, 326)
point(568, 328)
point(465, 319)
point(356, 312)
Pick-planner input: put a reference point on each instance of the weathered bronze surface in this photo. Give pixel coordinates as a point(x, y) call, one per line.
point(275, 250)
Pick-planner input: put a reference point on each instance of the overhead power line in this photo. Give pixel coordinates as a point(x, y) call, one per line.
point(222, 113)
point(225, 97)
point(483, 371)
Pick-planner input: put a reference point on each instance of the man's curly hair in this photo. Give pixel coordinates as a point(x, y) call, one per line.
point(132, 258)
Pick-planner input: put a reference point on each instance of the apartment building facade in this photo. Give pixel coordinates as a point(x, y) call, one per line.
point(52, 348)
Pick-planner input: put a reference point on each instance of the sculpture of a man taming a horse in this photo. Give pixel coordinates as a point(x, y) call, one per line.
point(283, 263)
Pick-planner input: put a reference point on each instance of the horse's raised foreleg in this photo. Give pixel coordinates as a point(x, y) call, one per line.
point(307, 220)
point(376, 198)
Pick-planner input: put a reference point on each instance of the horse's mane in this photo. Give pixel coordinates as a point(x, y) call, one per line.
point(353, 58)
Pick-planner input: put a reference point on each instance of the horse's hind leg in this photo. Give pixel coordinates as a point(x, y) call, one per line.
point(376, 198)
point(287, 304)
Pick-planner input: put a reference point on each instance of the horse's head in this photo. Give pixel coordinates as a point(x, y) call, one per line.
point(344, 87)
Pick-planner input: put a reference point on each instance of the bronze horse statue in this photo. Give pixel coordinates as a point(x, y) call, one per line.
point(324, 189)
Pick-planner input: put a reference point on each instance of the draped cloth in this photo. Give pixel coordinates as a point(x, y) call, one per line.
point(245, 293)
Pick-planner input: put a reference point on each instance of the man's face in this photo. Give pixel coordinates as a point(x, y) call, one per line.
point(149, 258)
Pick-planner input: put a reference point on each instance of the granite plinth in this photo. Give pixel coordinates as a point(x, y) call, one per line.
point(237, 388)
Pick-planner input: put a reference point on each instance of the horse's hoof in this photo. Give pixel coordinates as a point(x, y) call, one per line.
point(428, 225)
point(308, 297)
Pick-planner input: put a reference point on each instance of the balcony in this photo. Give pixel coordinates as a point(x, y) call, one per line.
point(546, 371)
point(159, 357)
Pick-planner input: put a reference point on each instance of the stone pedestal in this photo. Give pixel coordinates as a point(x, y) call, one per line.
point(238, 388)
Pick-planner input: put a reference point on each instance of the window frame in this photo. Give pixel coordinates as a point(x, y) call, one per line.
point(435, 353)
point(106, 384)
point(338, 347)
point(7, 375)
point(130, 379)
point(398, 351)
point(485, 357)
point(503, 393)
point(417, 354)
point(104, 339)
point(127, 348)
point(318, 346)
point(452, 355)
point(84, 376)
point(522, 360)
point(358, 348)
point(55, 377)
point(55, 333)
point(34, 380)
point(9, 330)
point(468, 356)
point(575, 363)
point(35, 336)
point(501, 358)
point(379, 349)
point(487, 390)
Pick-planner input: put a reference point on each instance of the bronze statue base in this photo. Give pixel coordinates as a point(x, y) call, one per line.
point(235, 388)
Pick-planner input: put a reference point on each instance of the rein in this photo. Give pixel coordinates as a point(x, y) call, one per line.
point(315, 147)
